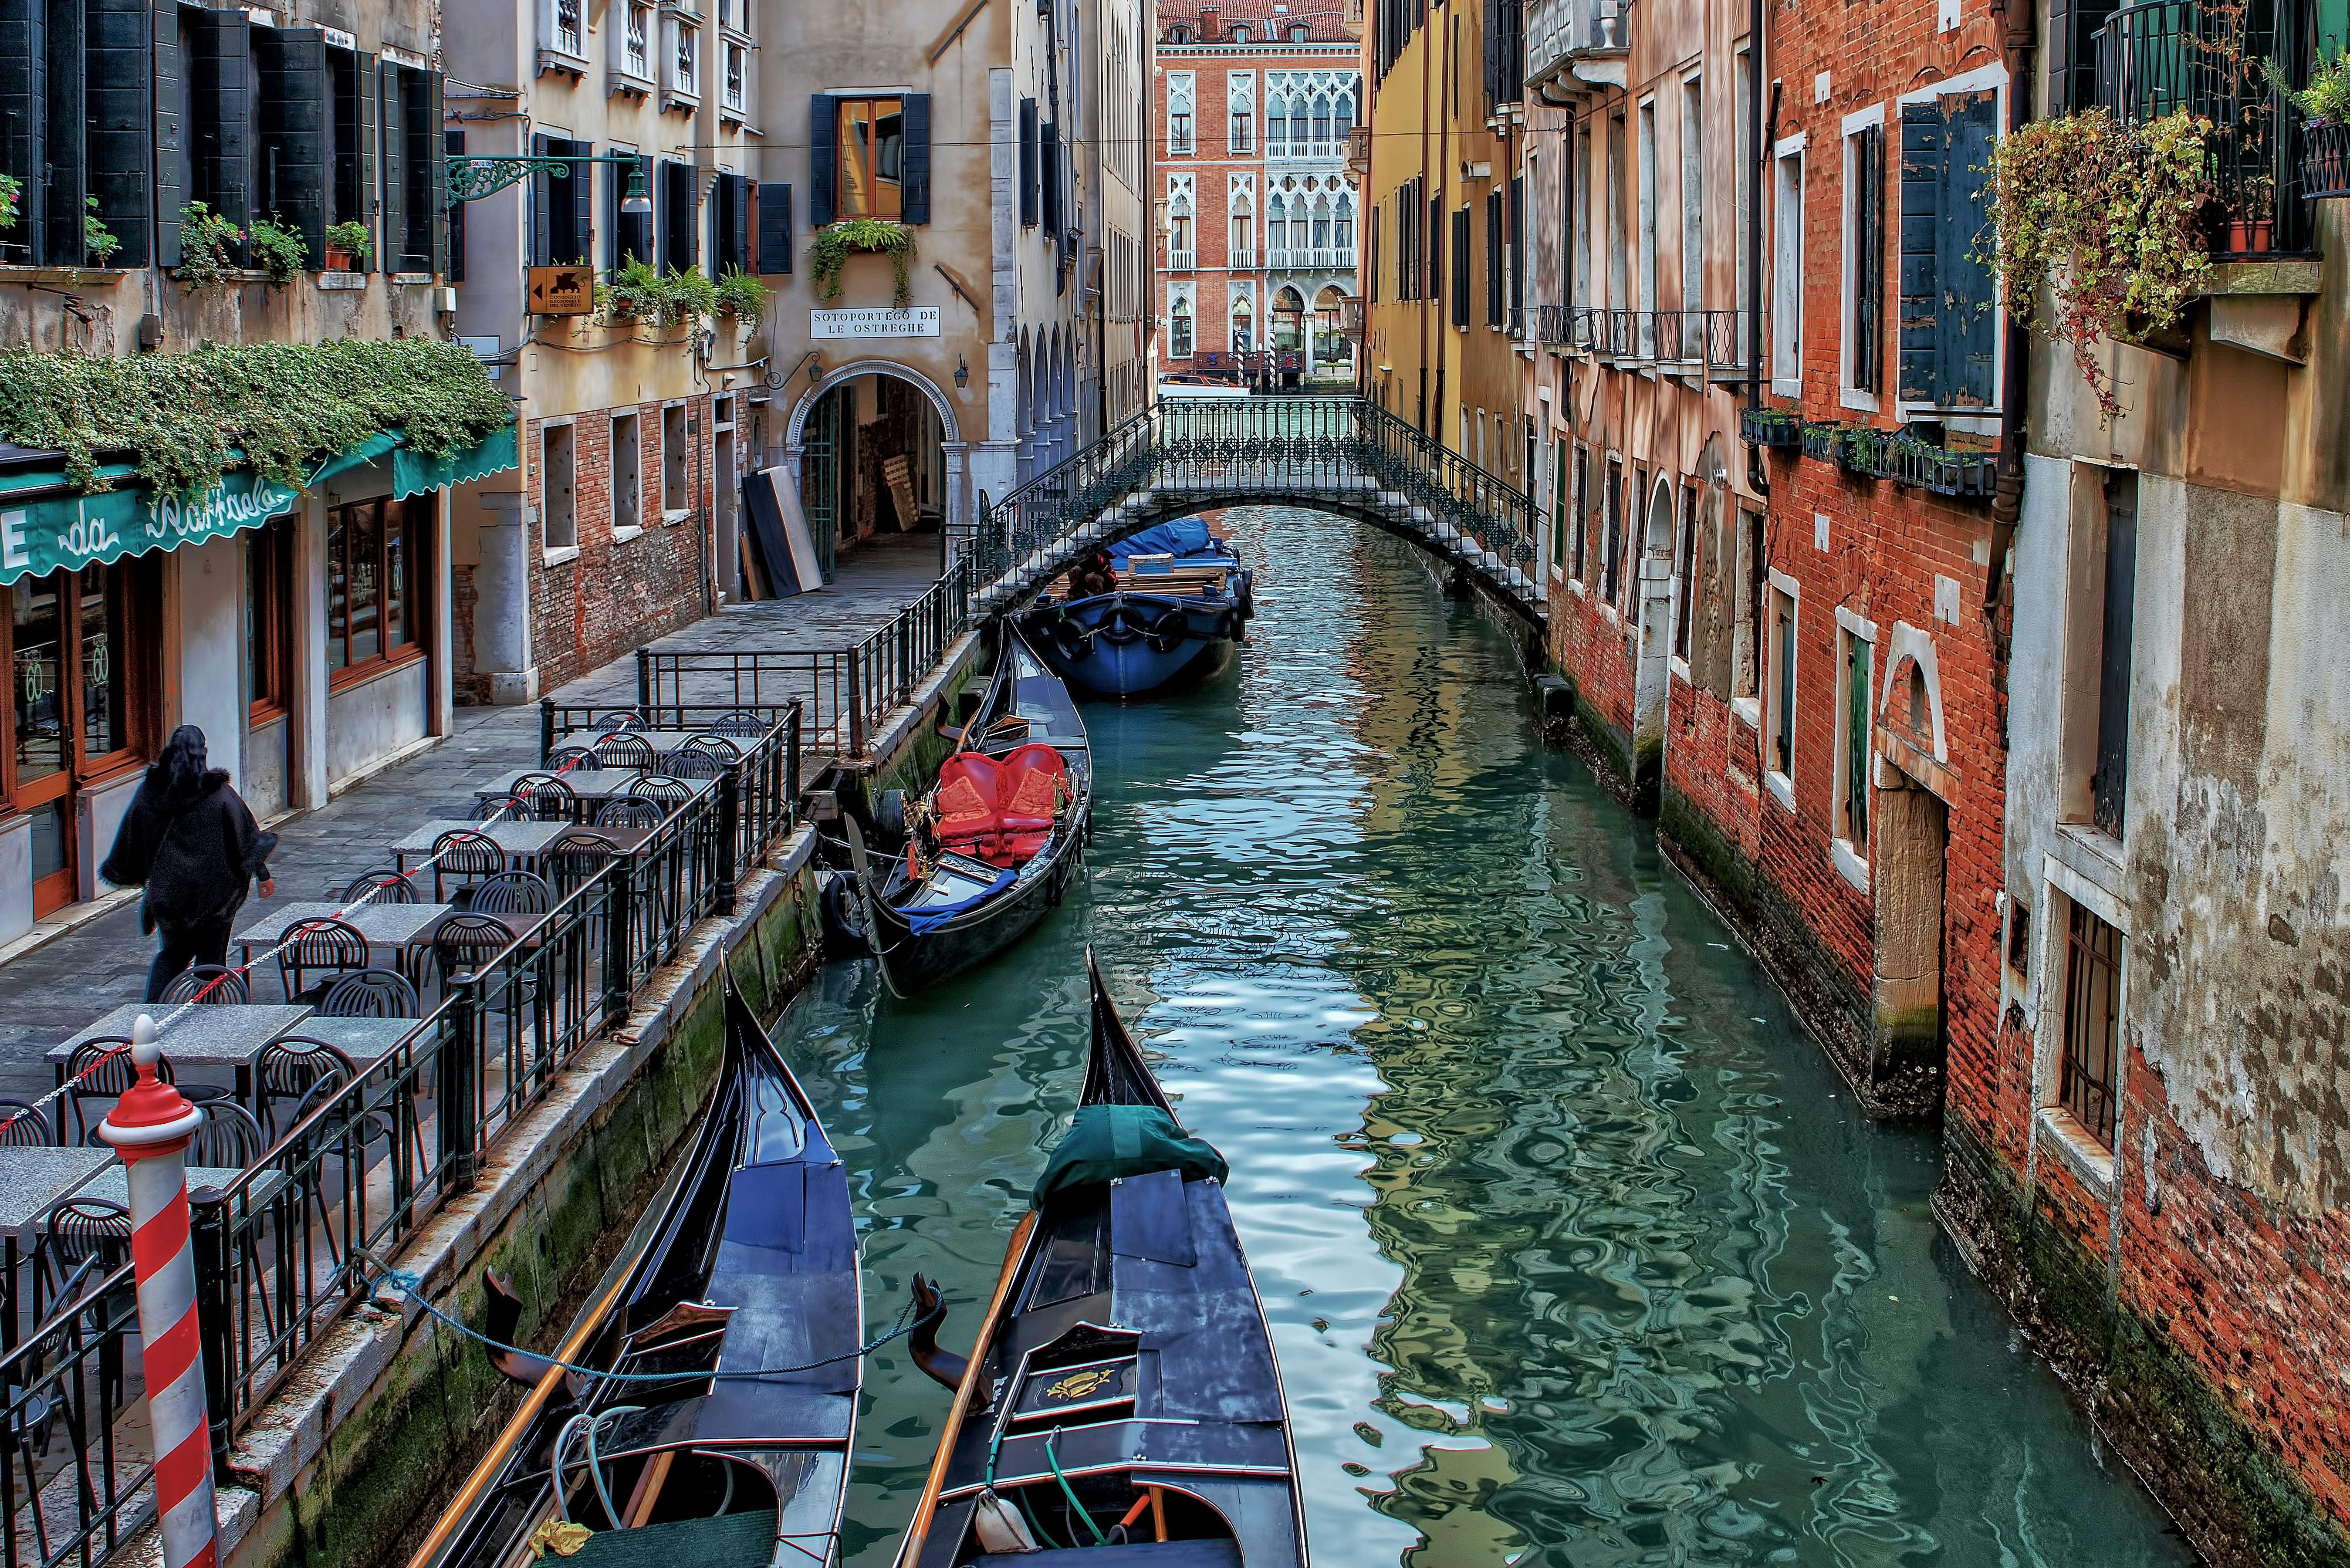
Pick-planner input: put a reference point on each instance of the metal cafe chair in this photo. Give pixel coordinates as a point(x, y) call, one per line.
point(500, 808)
point(630, 811)
point(464, 857)
point(380, 887)
point(76, 1233)
point(563, 757)
point(547, 797)
point(102, 1069)
point(742, 723)
point(573, 858)
point(290, 1069)
point(626, 750)
point(371, 994)
point(669, 792)
point(209, 985)
point(228, 1137)
point(318, 947)
point(466, 941)
point(25, 1127)
point(511, 893)
point(625, 719)
point(686, 763)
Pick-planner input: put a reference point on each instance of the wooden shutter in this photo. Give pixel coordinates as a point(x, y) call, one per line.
point(370, 207)
point(24, 57)
point(1868, 257)
point(1969, 330)
point(1436, 246)
point(678, 236)
point(1924, 149)
point(120, 139)
point(1029, 193)
point(738, 223)
point(1517, 245)
point(542, 203)
point(1049, 144)
point(453, 142)
point(221, 153)
point(1494, 315)
point(774, 228)
point(392, 226)
point(824, 152)
point(1460, 267)
point(914, 166)
point(632, 233)
point(583, 205)
point(436, 173)
point(56, 226)
point(295, 112)
point(170, 143)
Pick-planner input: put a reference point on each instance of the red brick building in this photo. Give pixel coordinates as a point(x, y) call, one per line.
point(1251, 104)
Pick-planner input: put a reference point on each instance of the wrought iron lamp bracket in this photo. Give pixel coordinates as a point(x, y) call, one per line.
point(473, 177)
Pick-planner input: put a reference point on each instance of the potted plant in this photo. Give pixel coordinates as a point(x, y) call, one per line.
point(2325, 106)
point(346, 247)
point(1820, 438)
point(279, 250)
point(742, 296)
point(642, 292)
point(1771, 427)
point(831, 250)
point(95, 237)
point(204, 239)
point(11, 188)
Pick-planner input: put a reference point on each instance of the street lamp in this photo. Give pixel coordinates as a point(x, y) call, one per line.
point(634, 202)
point(961, 373)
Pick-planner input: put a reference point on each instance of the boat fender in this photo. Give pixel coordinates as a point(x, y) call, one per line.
point(1168, 631)
point(999, 1526)
point(843, 917)
point(1073, 640)
point(889, 815)
point(1124, 624)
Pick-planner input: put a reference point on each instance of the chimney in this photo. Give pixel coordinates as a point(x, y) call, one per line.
point(1209, 18)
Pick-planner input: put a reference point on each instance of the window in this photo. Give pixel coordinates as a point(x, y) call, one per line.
point(2019, 938)
point(268, 618)
point(1693, 217)
point(1460, 267)
point(1031, 187)
point(1239, 98)
point(1179, 34)
point(1787, 276)
point(1243, 324)
point(872, 157)
point(1299, 32)
point(737, 65)
point(1950, 324)
point(1495, 315)
point(1779, 737)
point(1620, 289)
point(1180, 92)
point(2090, 1072)
point(1179, 137)
point(1611, 530)
point(636, 47)
point(562, 217)
point(1743, 106)
point(1578, 553)
point(730, 223)
point(570, 35)
point(678, 206)
point(373, 565)
point(684, 61)
point(1239, 35)
point(1579, 217)
point(1685, 564)
point(1179, 328)
point(1864, 159)
point(1647, 305)
point(632, 233)
point(1752, 590)
point(559, 488)
point(1853, 676)
point(1559, 514)
point(677, 452)
point(2101, 601)
point(628, 475)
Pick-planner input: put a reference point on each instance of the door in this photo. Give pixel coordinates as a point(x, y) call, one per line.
point(1656, 592)
point(70, 693)
point(820, 475)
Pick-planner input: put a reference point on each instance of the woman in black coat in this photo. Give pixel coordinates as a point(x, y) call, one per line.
point(192, 841)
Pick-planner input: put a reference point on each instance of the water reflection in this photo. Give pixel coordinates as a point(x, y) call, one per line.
point(1571, 1253)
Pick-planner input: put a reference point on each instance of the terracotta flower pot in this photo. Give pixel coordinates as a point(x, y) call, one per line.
point(2250, 236)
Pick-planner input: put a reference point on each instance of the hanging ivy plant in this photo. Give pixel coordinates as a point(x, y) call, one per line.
point(11, 188)
point(2108, 219)
point(740, 296)
point(642, 292)
point(280, 251)
point(286, 405)
point(830, 251)
point(204, 239)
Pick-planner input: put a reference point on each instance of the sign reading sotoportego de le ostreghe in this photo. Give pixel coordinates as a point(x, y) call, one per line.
point(878, 321)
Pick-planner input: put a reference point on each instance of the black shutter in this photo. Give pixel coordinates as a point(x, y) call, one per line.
point(542, 204)
point(775, 228)
point(1371, 256)
point(632, 233)
point(583, 205)
point(1492, 258)
point(1049, 144)
point(1436, 246)
point(370, 210)
point(914, 165)
point(1970, 326)
point(171, 145)
point(1460, 267)
point(453, 143)
point(62, 173)
point(1518, 244)
point(738, 223)
point(1924, 147)
point(436, 174)
point(121, 135)
point(391, 96)
point(24, 59)
point(679, 247)
point(222, 152)
point(1028, 172)
point(296, 111)
point(824, 150)
point(1869, 256)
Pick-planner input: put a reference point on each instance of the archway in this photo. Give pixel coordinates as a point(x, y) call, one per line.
point(1329, 346)
point(1652, 673)
point(1288, 320)
point(843, 432)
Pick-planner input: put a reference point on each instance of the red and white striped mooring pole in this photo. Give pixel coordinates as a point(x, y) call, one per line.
point(149, 1127)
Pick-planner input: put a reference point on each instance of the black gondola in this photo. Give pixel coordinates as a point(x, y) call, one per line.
point(1123, 1398)
point(750, 1268)
point(995, 843)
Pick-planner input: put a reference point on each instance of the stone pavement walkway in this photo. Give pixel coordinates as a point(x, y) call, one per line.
point(60, 988)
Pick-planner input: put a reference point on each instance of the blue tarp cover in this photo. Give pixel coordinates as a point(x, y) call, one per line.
point(1184, 536)
point(922, 922)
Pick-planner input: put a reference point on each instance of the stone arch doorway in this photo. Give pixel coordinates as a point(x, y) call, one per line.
point(1652, 673)
point(833, 451)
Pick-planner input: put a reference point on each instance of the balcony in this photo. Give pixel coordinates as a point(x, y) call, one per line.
point(1181, 261)
point(2203, 56)
point(1241, 258)
point(1324, 151)
point(1712, 341)
point(1358, 151)
point(1578, 44)
point(1310, 258)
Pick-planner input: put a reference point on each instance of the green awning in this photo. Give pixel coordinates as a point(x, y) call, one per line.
point(47, 525)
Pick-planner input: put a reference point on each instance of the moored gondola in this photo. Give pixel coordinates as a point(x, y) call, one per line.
point(714, 1429)
point(1122, 1397)
point(1154, 612)
point(993, 844)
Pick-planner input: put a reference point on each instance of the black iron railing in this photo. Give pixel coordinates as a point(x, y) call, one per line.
point(2324, 160)
point(70, 1491)
point(2203, 56)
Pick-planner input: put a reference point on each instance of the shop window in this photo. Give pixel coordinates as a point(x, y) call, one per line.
point(268, 618)
point(559, 487)
point(2090, 1072)
point(628, 475)
point(677, 494)
point(373, 561)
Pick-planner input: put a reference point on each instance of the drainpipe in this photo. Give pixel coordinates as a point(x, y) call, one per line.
point(1761, 152)
point(2007, 500)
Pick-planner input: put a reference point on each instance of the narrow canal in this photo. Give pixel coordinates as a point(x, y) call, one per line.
point(1575, 1249)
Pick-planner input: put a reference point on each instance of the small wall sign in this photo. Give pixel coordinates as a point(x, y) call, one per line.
point(918, 321)
point(562, 290)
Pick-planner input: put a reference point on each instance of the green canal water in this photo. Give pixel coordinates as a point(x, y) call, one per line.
point(1575, 1251)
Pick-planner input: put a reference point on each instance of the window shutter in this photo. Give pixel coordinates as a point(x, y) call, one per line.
point(370, 210)
point(436, 173)
point(583, 205)
point(542, 205)
point(121, 123)
point(1028, 187)
point(678, 245)
point(170, 144)
point(23, 142)
point(221, 153)
point(1460, 267)
point(823, 152)
point(393, 225)
point(738, 223)
point(632, 234)
point(453, 142)
point(914, 167)
point(1970, 324)
point(295, 109)
point(1868, 257)
point(1924, 149)
point(775, 228)
point(53, 220)
point(1436, 246)
point(1494, 258)
point(1049, 141)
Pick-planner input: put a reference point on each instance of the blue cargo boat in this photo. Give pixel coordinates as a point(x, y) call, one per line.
point(1158, 610)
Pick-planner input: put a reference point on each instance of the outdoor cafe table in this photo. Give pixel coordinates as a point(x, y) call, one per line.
point(204, 1036)
point(401, 928)
point(32, 1182)
point(522, 841)
point(663, 742)
point(112, 1183)
point(363, 1040)
point(588, 784)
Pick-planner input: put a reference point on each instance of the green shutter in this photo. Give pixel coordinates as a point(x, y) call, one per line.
point(63, 176)
point(435, 158)
point(221, 152)
point(22, 66)
point(393, 225)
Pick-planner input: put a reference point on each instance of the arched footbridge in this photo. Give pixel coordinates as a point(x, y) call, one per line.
point(1344, 455)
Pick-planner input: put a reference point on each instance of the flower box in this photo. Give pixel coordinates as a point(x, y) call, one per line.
point(1942, 471)
point(1820, 438)
point(1864, 451)
point(1771, 427)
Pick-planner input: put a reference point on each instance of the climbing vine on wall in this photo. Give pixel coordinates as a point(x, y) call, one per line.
point(832, 247)
point(285, 405)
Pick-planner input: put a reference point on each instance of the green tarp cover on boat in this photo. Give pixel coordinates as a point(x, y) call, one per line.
point(1106, 1142)
point(46, 526)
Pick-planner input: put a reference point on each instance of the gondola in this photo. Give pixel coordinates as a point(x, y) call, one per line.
point(1123, 1398)
point(1159, 611)
point(995, 844)
point(750, 1268)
